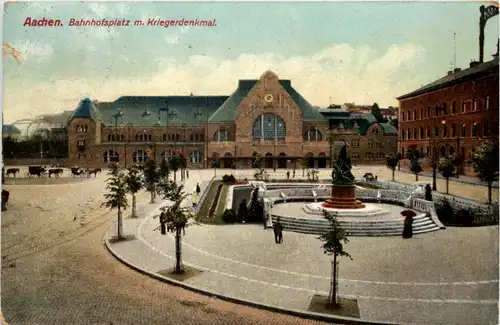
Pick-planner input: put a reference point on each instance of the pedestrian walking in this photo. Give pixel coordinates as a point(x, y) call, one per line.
point(187, 173)
point(278, 232)
point(287, 174)
point(293, 173)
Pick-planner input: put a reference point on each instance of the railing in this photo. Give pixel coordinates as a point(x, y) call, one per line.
point(269, 142)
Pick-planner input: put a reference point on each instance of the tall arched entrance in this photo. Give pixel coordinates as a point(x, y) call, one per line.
point(322, 160)
point(310, 159)
point(268, 160)
point(228, 160)
point(282, 160)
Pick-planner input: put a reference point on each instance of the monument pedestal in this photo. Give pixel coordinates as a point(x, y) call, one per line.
point(343, 197)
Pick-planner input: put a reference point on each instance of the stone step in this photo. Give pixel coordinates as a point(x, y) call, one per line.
point(363, 228)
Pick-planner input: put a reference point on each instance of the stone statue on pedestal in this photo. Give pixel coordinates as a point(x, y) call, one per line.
point(341, 174)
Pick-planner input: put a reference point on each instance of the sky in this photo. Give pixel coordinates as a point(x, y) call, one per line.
point(333, 52)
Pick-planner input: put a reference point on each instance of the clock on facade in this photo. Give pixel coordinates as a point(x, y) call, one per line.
point(268, 98)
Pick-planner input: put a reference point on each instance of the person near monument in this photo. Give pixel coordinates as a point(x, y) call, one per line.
point(278, 232)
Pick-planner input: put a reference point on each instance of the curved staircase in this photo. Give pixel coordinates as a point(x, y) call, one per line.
point(421, 224)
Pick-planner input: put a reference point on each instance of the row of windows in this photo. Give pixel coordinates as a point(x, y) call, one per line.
point(141, 156)
point(149, 137)
point(368, 156)
point(442, 151)
point(475, 130)
point(81, 128)
point(474, 105)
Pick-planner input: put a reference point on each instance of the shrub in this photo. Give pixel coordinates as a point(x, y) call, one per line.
point(229, 179)
point(464, 217)
point(243, 210)
point(444, 211)
point(229, 216)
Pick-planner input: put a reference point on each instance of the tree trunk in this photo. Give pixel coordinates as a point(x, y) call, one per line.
point(134, 206)
point(120, 223)
point(333, 289)
point(447, 185)
point(416, 177)
point(152, 197)
point(178, 268)
point(163, 229)
point(434, 186)
point(490, 184)
point(175, 176)
point(393, 172)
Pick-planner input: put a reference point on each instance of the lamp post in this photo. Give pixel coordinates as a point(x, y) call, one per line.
point(117, 115)
point(433, 146)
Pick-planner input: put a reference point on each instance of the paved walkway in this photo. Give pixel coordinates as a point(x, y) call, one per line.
point(422, 280)
point(461, 179)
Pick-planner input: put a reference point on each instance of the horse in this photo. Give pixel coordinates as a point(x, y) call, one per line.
point(55, 171)
point(5, 199)
point(93, 171)
point(12, 171)
point(75, 171)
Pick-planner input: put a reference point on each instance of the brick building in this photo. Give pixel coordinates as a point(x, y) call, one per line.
point(452, 114)
point(266, 116)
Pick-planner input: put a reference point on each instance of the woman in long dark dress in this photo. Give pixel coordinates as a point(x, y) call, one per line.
point(408, 227)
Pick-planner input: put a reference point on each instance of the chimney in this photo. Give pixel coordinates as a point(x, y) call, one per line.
point(449, 73)
point(456, 70)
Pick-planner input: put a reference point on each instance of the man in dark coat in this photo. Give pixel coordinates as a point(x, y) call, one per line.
point(278, 231)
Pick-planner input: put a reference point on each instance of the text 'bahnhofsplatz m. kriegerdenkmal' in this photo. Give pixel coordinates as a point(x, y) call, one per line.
point(119, 22)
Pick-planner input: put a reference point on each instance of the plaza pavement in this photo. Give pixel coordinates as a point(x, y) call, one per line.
point(445, 277)
point(56, 269)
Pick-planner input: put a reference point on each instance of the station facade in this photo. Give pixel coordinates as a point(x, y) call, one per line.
point(266, 116)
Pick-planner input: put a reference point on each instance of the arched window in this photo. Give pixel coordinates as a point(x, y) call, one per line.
point(436, 131)
point(421, 112)
point(136, 138)
point(414, 114)
point(122, 137)
point(139, 156)
point(415, 134)
point(195, 157)
point(443, 151)
point(150, 137)
point(421, 132)
point(445, 131)
point(463, 130)
point(486, 102)
point(111, 156)
point(268, 127)
point(486, 127)
point(451, 151)
point(109, 137)
point(428, 133)
point(369, 156)
point(408, 134)
point(403, 117)
point(221, 136)
point(474, 129)
point(453, 130)
point(313, 135)
point(453, 107)
point(355, 155)
point(167, 154)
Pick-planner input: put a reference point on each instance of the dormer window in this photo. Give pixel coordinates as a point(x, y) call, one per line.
point(146, 114)
point(172, 114)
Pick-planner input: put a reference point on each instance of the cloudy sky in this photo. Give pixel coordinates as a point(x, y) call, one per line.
point(332, 51)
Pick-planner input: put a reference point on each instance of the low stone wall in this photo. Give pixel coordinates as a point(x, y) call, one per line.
point(203, 195)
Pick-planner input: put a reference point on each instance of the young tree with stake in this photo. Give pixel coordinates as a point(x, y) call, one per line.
point(485, 164)
point(446, 168)
point(152, 178)
point(116, 198)
point(134, 185)
point(333, 244)
point(392, 162)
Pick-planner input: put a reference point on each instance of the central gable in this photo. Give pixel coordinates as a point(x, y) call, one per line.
point(267, 96)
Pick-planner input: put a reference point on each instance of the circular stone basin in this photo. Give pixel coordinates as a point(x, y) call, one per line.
point(371, 210)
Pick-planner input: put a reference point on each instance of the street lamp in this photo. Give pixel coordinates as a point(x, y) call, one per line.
point(116, 116)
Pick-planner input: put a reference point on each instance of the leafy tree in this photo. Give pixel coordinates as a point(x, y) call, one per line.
point(333, 244)
point(394, 122)
point(152, 177)
point(183, 165)
point(116, 198)
point(375, 110)
point(446, 168)
point(392, 162)
point(413, 153)
point(243, 210)
point(485, 164)
point(174, 164)
point(458, 160)
point(176, 217)
point(164, 170)
point(415, 167)
point(134, 185)
point(256, 211)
